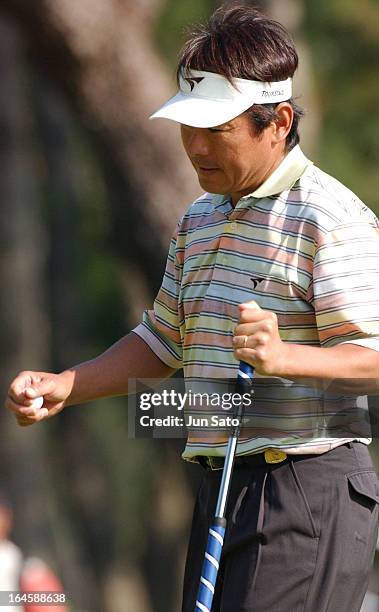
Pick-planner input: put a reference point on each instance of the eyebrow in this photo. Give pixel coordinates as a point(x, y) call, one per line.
point(222, 126)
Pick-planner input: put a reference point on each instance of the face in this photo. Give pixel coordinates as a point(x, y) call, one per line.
point(231, 158)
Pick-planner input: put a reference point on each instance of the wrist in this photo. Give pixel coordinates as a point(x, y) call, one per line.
point(287, 359)
point(67, 378)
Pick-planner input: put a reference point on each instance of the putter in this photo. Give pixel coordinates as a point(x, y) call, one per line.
point(216, 532)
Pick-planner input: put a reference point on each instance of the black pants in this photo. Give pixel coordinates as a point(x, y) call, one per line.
point(301, 534)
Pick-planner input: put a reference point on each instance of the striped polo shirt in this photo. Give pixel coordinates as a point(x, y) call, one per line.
point(301, 245)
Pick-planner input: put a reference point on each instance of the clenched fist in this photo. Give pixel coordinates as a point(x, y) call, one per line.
point(27, 386)
point(257, 341)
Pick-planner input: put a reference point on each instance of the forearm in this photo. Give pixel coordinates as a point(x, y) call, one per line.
point(347, 367)
point(257, 341)
point(109, 373)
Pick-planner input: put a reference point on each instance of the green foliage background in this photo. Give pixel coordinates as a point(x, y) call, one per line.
point(344, 39)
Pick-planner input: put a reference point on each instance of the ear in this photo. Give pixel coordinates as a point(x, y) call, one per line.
point(282, 125)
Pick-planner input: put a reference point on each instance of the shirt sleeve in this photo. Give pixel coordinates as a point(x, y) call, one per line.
point(161, 326)
point(346, 285)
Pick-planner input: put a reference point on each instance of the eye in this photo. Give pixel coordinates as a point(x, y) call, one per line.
point(225, 127)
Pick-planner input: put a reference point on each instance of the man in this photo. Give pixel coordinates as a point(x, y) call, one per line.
point(11, 557)
point(16, 573)
point(288, 253)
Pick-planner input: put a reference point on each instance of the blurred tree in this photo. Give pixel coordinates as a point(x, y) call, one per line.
point(108, 69)
point(344, 39)
point(40, 528)
point(100, 53)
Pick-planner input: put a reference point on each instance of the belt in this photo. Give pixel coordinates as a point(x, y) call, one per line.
point(270, 455)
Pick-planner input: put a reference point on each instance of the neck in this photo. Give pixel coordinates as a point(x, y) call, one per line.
point(273, 165)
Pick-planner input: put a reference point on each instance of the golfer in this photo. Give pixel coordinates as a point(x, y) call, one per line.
point(276, 265)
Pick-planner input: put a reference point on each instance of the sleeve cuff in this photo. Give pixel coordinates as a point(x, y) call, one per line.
point(162, 347)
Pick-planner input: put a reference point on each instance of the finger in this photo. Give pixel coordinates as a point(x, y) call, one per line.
point(45, 387)
point(248, 329)
point(26, 409)
point(252, 315)
point(16, 390)
point(252, 305)
point(21, 382)
point(39, 381)
point(246, 354)
point(252, 341)
point(240, 342)
point(34, 413)
point(24, 421)
point(42, 414)
point(13, 406)
point(250, 309)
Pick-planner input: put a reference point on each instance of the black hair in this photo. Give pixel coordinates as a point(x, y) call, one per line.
point(239, 41)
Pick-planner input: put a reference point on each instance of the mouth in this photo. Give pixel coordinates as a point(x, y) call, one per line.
point(206, 170)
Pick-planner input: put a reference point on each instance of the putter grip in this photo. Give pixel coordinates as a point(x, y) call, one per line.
point(245, 376)
point(210, 565)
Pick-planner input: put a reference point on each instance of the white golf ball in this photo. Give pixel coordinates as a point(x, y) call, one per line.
point(37, 403)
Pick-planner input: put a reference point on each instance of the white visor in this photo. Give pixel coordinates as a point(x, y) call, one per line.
point(206, 99)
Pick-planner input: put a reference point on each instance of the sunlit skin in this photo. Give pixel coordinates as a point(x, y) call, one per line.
point(231, 159)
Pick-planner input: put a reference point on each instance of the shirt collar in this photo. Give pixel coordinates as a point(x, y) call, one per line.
point(282, 179)
point(285, 175)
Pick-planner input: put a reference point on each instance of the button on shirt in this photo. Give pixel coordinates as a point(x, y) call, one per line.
point(301, 245)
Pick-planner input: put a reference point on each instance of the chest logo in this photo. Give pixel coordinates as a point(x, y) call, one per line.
point(257, 280)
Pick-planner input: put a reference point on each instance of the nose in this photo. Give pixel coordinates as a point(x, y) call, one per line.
point(195, 141)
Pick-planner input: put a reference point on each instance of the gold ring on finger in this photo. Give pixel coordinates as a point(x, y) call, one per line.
point(245, 339)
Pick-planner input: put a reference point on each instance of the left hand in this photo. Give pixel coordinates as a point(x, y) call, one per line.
point(257, 341)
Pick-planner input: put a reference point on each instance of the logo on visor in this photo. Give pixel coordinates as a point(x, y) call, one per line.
point(276, 92)
point(194, 81)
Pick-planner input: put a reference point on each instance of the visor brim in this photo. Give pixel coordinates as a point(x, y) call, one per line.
point(200, 112)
